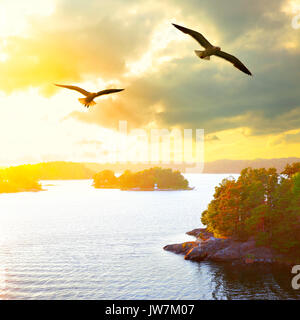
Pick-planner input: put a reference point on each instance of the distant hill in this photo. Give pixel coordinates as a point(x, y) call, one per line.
point(121, 167)
point(59, 170)
point(219, 166)
point(236, 166)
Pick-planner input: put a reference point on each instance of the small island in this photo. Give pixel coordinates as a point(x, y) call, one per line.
point(18, 179)
point(254, 219)
point(25, 178)
point(154, 179)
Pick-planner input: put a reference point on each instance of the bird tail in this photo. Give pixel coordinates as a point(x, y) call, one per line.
point(86, 103)
point(201, 55)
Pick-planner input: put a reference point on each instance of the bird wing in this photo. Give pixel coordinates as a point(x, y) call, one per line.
point(84, 92)
point(108, 91)
point(196, 35)
point(234, 60)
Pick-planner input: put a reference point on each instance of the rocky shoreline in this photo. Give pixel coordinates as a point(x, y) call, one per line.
point(208, 248)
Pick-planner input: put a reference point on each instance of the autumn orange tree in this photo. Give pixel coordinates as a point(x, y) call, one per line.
point(260, 204)
point(292, 169)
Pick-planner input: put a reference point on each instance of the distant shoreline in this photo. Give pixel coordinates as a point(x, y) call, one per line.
point(23, 191)
point(145, 189)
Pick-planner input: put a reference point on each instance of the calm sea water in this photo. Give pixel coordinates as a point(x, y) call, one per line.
point(76, 242)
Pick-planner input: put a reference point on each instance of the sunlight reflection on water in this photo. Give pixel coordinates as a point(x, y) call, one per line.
point(76, 242)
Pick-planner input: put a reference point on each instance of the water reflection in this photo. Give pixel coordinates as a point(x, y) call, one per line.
point(236, 281)
point(76, 242)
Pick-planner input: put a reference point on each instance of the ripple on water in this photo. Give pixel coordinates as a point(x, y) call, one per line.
point(76, 242)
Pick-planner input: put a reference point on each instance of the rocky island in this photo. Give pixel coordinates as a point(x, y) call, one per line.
point(254, 219)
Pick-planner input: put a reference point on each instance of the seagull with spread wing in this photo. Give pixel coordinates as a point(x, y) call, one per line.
point(89, 96)
point(211, 50)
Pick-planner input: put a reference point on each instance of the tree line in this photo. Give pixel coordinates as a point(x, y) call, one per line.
point(146, 179)
point(261, 204)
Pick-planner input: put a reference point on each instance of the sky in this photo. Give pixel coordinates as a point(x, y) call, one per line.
point(132, 44)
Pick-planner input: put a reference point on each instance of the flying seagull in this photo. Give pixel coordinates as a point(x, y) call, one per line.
point(211, 50)
point(89, 96)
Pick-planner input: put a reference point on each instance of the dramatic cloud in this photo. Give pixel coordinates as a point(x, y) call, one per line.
point(76, 42)
point(133, 44)
point(190, 93)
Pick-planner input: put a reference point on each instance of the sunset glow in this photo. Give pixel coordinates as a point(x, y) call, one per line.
point(41, 43)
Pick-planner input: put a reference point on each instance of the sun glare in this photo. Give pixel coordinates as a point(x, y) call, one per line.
point(14, 15)
point(291, 7)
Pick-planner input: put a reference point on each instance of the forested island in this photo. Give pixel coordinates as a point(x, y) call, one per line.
point(26, 177)
point(255, 218)
point(146, 180)
point(17, 181)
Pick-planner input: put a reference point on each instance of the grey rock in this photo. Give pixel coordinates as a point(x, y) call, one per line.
point(229, 253)
point(181, 248)
point(196, 254)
